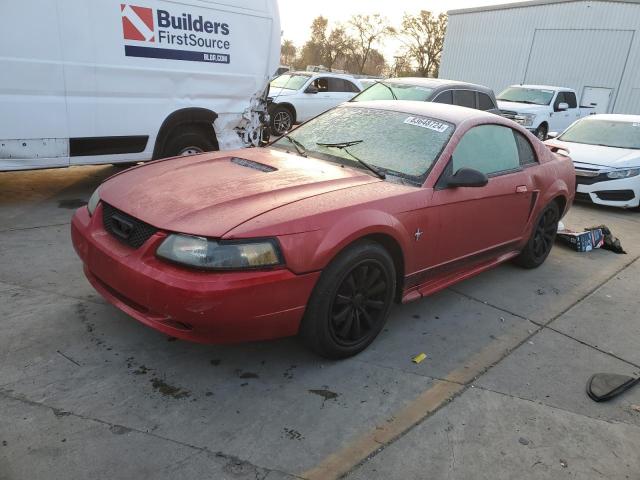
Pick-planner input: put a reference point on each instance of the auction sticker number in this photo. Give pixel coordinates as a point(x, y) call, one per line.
point(427, 123)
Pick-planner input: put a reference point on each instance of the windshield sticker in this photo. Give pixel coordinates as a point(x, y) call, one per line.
point(426, 123)
point(546, 91)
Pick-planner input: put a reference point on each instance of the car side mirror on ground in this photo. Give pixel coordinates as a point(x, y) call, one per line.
point(562, 106)
point(467, 177)
point(311, 89)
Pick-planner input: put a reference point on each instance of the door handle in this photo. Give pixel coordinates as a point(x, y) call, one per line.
point(522, 189)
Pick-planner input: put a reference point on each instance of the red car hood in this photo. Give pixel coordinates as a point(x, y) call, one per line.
point(210, 194)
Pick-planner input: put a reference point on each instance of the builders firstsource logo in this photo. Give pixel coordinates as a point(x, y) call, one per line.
point(156, 33)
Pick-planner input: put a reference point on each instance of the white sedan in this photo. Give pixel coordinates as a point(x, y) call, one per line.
point(606, 154)
point(296, 97)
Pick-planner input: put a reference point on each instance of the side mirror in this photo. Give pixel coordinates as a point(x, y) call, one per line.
point(467, 177)
point(562, 106)
point(311, 89)
point(552, 135)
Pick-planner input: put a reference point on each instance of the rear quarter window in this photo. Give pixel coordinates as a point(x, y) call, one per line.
point(464, 98)
point(525, 151)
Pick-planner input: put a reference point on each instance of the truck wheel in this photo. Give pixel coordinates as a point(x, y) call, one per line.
point(190, 140)
point(351, 302)
point(541, 132)
point(281, 120)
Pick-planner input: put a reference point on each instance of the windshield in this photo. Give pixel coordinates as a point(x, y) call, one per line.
point(289, 82)
point(392, 142)
point(604, 132)
point(527, 95)
point(393, 91)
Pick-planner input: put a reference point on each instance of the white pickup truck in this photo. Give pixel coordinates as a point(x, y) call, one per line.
point(541, 108)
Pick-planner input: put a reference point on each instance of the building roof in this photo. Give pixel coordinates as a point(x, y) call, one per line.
point(532, 3)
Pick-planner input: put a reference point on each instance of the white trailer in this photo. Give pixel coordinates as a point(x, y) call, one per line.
point(93, 82)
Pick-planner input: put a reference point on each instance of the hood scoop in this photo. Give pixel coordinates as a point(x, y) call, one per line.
point(243, 162)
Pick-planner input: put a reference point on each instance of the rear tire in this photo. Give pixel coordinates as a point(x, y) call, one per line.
point(351, 302)
point(541, 242)
point(190, 140)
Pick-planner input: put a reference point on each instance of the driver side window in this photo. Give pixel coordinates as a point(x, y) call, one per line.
point(490, 149)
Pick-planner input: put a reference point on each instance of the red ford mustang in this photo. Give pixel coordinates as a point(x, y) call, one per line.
point(320, 232)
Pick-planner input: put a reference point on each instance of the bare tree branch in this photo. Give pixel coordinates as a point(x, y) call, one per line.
point(369, 31)
point(423, 37)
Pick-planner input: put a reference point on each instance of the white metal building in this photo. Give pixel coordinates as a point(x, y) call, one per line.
point(591, 46)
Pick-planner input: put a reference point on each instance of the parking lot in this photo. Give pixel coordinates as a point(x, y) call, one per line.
point(87, 392)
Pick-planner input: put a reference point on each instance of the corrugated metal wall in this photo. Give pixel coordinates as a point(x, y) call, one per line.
point(573, 44)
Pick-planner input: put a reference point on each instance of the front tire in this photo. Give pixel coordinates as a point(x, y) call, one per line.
point(281, 120)
point(541, 241)
point(542, 131)
point(351, 302)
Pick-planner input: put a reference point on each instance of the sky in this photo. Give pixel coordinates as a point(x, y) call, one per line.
point(296, 15)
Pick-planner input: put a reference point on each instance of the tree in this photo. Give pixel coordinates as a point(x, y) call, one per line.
point(338, 45)
point(287, 52)
point(326, 49)
point(423, 36)
point(369, 31)
point(313, 51)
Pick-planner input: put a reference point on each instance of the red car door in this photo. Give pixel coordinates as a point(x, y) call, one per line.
point(476, 224)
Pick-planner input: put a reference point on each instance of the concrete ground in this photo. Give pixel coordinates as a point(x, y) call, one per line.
point(86, 392)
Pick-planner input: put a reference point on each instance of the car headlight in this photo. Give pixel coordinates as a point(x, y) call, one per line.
point(93, 201)
point(525, 119)
point(630, 172)
point(200, 252)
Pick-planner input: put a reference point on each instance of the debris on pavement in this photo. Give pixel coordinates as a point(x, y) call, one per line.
point(611, 242)
point(419, 358)
point(325, 394)
point(635, 408)
point(582, 241)
point(604, 386)
point(591, 238)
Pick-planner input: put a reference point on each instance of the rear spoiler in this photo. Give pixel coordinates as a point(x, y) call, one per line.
point(558, 149)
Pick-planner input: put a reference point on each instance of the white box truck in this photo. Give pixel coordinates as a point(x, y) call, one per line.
point(104, 81)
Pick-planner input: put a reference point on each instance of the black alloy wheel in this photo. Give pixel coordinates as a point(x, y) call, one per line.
point(542, 239)
point(351, 301)
point(359, 303)
point(545, 233)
